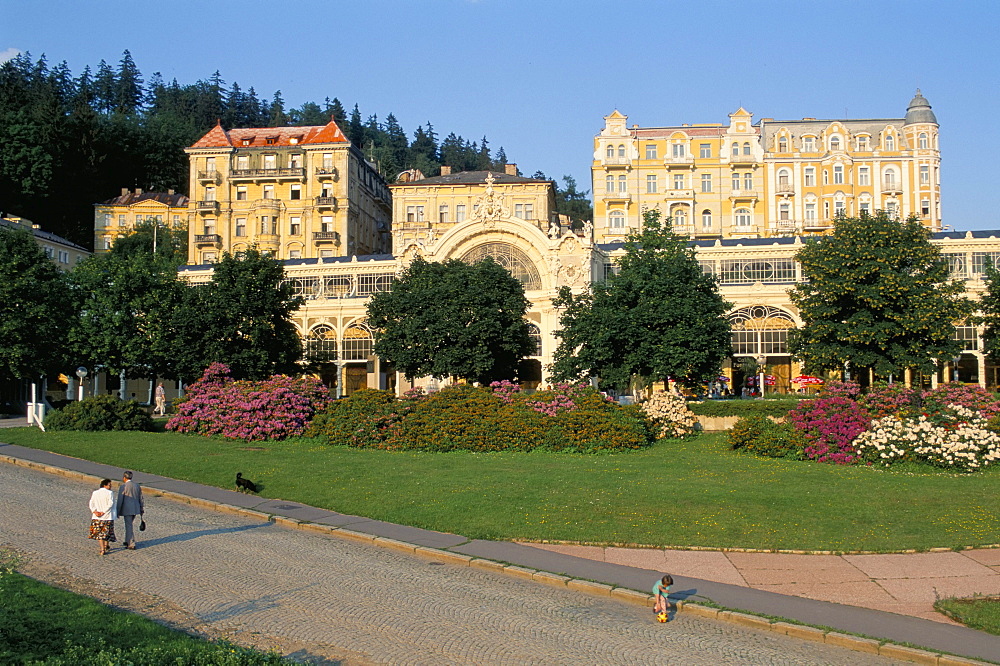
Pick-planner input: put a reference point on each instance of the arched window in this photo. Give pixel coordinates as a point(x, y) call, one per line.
point(809, 144)
point(321, 344)
point(357, 343)
point(513, 259)
point(621, 150)
point(744, 218)
point(922, 140)
point(706, 219)
point(746, 148)
point(611, 152)
point(616, 219)
point(610, 183)
point(622, 184)
point(889, 179)
point(834, 143)
point(760, 329)
point(535, 334)
point(680, 217)
point(784, 177)
point(890, 142)
point(783, 145)
point(736, 149)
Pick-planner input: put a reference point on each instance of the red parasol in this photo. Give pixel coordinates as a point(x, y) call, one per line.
point(807, 380)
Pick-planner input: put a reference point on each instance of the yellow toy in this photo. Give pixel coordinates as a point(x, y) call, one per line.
point(662, 616)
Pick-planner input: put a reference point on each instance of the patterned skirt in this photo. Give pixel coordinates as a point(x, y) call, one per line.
point(103, 530)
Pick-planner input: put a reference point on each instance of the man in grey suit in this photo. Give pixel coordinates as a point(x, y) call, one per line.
point(130, 505)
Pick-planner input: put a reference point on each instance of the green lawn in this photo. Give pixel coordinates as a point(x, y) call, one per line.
point(981, 613)
point(41, 623)
point(677, 493)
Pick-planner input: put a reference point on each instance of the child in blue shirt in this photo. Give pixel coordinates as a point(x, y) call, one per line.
point(661, 590)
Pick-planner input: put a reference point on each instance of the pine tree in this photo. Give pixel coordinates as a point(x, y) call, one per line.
point(276, 116)
point(128, 91)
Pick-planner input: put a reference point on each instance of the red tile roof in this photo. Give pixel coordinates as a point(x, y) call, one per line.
point(172, 200)
point(271, 136)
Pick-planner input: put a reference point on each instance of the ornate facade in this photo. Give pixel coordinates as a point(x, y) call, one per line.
point(120, 215)
point(766, 179)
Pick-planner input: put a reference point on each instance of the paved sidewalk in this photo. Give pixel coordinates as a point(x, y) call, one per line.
point(907, 584)
point(635, 575)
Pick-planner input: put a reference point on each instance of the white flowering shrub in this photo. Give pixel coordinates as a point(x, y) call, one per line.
point(670, 413)
point(956, 438)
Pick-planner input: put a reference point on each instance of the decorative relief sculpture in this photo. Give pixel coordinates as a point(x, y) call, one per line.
point(489, 207)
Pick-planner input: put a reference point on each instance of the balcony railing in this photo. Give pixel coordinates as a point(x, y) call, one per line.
point(817, 224)
point(784, 188)
point(211, 206)
point(326, 202)
point(326, 236)
point(679, 194)
point(289, 172)
point(617, 196)
point(744, 194)
point(326, 172)
point(617, 161)
point(274, 204)
point(742, 159)
point(211, 175)
point(891, 187)
point(683, 159)
point(207, 239)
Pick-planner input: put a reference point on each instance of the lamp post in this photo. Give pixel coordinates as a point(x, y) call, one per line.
point(954, 368)
point(761, 365)
point(81, 372)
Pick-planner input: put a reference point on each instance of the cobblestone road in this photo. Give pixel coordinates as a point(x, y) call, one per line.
point(339, 598)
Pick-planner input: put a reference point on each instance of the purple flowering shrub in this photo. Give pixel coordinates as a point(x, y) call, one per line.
point(970, 396)
point(274, 408)
point(830, 423)
point(890, 399)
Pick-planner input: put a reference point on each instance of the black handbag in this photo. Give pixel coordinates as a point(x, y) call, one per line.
point(142, 525)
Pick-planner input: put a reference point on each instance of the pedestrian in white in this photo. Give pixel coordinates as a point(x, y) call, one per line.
point(161, 400)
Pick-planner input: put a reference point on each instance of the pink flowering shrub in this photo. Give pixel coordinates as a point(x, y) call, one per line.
point(970, 396)
point(830, 423)
point(275, 408)
point(890, 399)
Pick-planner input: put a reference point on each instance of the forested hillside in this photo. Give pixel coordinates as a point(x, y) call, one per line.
point(68, 141)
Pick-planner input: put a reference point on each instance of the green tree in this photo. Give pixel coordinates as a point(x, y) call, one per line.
point(659, 317)
point(877, 295)
point(571, 202)
point(452, 319)
point(34, 308)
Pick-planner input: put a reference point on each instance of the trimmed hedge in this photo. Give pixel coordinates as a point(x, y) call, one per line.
point(764, 437)
point(777, 408)
point(100, 412)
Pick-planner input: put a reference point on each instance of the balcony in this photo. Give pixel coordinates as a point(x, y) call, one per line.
point(267, 174)
point(891, 187)
point(616, 196)
point(683, 159)
point(742, 159)
point(678, 194)
point(207, 206)
point(784, 188)
point(326, 173)
point(207, 239)
point(326, 202)
point(212, 176)
point(326, 237)
point(744, 194)
point(267, 204)
point(616, 161)
point(817, 225)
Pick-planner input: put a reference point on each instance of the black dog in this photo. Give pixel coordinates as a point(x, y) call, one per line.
point(245, 485)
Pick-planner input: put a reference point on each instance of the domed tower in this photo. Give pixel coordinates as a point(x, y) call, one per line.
point(921, 131)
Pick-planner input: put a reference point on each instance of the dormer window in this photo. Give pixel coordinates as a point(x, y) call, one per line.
point(246, 142)
point(809, 144)
point(783, 145)
point(862, 142)
point(890, 142)
point(294, 140)
point(835, 143)
point(271, 140)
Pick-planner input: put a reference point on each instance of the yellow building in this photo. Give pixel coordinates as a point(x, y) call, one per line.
point(63, 253)
point(120, 215)
point(766, 179)
point(296, 192)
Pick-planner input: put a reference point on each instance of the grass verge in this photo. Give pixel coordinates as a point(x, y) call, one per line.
point(693, 492)
point(981, 613)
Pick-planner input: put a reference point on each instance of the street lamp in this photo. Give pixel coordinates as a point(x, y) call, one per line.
point(761, 364)
point(954, 368)
point(81, 372)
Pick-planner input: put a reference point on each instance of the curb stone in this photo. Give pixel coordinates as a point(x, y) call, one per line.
point(802, 632)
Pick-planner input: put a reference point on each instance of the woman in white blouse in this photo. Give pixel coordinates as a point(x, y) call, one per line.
point(102, 516)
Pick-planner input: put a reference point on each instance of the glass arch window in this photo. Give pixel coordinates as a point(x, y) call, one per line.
point(743, 217)
point(514, 260)
point(611, 152)
point(746, 148)
point(890, 142)
point(321, 344)
point(783, 145)
point(835, 143)
point(616, 219)
point(535, 334)
point(706, 219)
point(621, 150)
point(760, 329)
point(922, 140)
point(357, 343)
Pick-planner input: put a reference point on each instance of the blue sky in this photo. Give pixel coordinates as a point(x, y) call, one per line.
point(538, 77)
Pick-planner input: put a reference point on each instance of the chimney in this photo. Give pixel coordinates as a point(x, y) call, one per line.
point(445, 170)
point(170, 191)
point(138, 190)
point(125, 191)
point(510, 169)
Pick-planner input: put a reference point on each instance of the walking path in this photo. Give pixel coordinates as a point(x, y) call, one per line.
point(277, 565)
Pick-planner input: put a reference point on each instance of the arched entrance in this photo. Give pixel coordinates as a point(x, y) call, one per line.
point(761, 332)
point(517, 263)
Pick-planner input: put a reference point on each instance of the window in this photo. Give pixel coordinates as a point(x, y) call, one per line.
point(610, 152)
point(678, 181)
point(460, 212)
point(890, 142)
point(295, 161)
point(295, 192)
point(783, 178)
point(864, 176)
point(209, 194)
point(809, 176)
point(826, 176)
point(679, 150)
point(889, 179)
point(706, 219)
point(760, 329)
point(838, 175)
point(865, 208)
point(326, 223)
point(925, 207)
point(295, 225)
point(517, 263)
point(743, 271)
point(321, 344)
point(266, 224)
point(243, 162)
point(207, 257)
point(957, 265)
point(622, 184)
point(826, 210)
point(735, 149)
point(784, 211)
point(326, 190)
point(981, 261)
point(650, 151)
point(270, 161)
point(922, 140)
point(609, 184)
point(323, 254)
point(121, 220)
point(746, 148)
point(535, 335)
point(210, 164)
point(269, 191)
point(838, 209)
point(809, 144)
point(892, 209)
point(209, 227)
point(783, 145)
point(371, 283)
point(651, 183)
point(748, 181)
point(968, 336)
point(811, 211)
point(680, 217)
point(706, 182)
point(621, 151)
point(414, 213)
point(705, 150)
point(835, 143)
point(295, 254)
point(443, 213)
point(862, 143)
point(616, 219)
point(327, 160)
point(177, 220)
point(736, 181)
point(357, 343)
point(925, 175)
point(241, 227)
point(524, 211)
point(743, 217)
point(63, 257)
point(241, 192)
